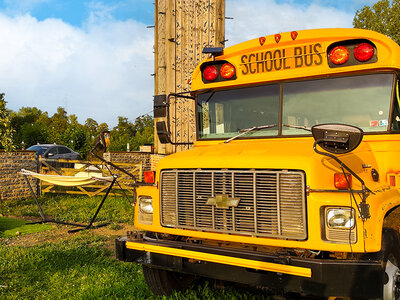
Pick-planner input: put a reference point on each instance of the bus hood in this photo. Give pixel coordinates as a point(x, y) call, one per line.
point(271, 154)
point(286, 154)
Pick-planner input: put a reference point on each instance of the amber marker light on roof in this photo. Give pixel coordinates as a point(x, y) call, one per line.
point(339, 55)
point(227, 71)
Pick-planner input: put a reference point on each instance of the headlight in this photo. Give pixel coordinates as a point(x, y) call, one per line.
point(340, 218)
point(146, 205)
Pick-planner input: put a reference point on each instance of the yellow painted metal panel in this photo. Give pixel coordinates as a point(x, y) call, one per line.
point(222, 259)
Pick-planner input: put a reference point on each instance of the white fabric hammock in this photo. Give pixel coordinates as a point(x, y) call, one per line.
point(65, 180)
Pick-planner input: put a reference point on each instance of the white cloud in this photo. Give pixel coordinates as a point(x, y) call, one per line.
point(257, 18)
point(101, 72)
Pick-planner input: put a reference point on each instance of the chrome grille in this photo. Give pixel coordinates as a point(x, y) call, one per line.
point(272, 202)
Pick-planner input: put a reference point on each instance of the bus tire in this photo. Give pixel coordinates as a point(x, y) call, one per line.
point(162, 282)
point(391, 259)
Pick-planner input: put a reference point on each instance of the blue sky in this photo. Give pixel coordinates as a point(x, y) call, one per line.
point(95, 58)
point(76, 12)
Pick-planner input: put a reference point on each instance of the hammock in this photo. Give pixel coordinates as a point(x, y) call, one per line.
point(68, 181)
point(65, 180)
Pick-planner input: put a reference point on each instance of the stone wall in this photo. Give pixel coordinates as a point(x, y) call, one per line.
point(134, 157)
point(147, 160)
point(12, 185)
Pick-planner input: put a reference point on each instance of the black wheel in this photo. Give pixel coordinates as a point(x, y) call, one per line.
point(391, 259)
point(162, 282)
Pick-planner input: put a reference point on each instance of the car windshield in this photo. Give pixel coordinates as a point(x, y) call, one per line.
point(362, 101)
point(39, 149)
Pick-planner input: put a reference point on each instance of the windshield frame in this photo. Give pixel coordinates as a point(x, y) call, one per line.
point(388, 129)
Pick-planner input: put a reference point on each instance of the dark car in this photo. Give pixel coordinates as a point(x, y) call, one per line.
point(54, 151)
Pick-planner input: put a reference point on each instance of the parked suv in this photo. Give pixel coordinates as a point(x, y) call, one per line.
point(54, 151)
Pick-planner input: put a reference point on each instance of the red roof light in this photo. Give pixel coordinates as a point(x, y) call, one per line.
point(210, 73)
point(363, 52)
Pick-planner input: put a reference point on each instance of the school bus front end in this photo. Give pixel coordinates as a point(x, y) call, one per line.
point(293, 182)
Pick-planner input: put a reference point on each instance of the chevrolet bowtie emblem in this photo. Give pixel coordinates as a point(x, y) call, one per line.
point(223, 201)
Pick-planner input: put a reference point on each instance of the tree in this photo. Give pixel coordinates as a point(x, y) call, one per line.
point(6, 131)
point(135, 134)
point(31, 127)
point(58, 126)
point(382, 17)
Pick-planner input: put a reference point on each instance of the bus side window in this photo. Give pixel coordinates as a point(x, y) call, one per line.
point(396, 109)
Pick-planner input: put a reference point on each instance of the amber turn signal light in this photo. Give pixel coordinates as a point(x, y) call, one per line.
point(339, 55)
point(227, 71)
point(340, 181)
point(149, 176)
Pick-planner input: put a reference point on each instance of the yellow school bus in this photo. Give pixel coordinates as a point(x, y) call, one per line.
point(293, 182)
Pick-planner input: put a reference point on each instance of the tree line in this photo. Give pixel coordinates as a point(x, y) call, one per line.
point(29, 126)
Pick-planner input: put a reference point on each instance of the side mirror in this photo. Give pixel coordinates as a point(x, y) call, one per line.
point(337, 138)
point(49, 154)
point(163, 133)
point(160, 106)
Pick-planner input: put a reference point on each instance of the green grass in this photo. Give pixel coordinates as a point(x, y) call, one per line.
point(81, 268)
point(72, 208)
point(74, 268)
point(12, 227)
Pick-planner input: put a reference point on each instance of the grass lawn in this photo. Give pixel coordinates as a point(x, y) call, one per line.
point(45, 262)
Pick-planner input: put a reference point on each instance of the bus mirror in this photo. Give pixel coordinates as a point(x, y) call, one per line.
point(160, 106)
point(162, 132)
point(337, 138)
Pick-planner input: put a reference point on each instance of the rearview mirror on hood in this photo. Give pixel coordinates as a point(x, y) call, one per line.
point(337, 138)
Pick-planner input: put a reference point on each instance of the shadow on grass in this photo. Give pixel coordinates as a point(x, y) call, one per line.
point(10, 227)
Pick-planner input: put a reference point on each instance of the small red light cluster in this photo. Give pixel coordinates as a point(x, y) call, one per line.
point(149, 176)
point(226, 71)
point(362, 52)
point(341, 182)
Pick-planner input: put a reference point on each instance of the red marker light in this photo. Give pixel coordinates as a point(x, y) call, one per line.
point(293, 34)
point(392, 180)
point(262, 40)
point(210, 73)
point(363, 52)
point(149, 176)
point(277, 37)
point(227, 71)
point(341, 182)
point(339, 55)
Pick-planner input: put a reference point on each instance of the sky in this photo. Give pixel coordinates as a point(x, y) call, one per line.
point(95, 58)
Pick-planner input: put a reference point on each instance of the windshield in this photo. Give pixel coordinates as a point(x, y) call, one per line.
point(39, 149)
point(362, 101)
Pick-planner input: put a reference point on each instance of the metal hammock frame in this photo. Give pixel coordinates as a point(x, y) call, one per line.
point(42, 177)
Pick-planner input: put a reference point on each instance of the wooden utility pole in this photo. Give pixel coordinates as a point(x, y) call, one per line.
point(182, 29)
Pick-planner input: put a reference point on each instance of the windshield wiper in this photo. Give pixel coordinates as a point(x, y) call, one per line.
point(245, 131)
point(297, 127)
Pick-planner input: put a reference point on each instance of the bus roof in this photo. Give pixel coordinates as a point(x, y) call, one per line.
point(296, 55)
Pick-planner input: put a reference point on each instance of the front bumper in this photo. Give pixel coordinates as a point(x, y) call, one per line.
point(318, 277)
